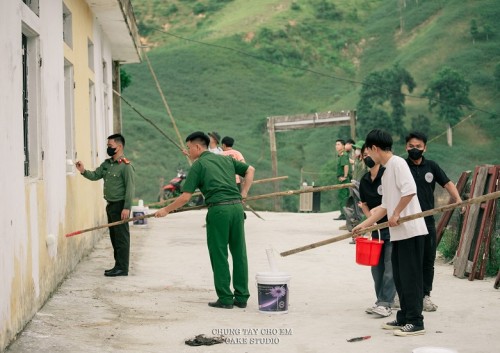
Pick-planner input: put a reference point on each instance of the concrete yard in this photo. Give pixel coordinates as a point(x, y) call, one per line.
point(164, 299)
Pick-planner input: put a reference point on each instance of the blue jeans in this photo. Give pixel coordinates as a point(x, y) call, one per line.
point(385, 289)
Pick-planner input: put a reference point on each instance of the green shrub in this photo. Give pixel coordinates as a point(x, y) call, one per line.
point(326, 10)
point(199, 8)
point(170, 10)
point(144, 28)
point(449, 244)
point(295, 6)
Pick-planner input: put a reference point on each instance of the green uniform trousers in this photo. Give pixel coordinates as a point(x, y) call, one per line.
point(119, 235)
point(343, 196)
point(225, 228)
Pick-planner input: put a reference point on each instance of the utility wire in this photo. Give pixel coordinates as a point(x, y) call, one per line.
point(244, 53)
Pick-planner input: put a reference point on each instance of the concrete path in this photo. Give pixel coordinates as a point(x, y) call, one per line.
point(163, 301)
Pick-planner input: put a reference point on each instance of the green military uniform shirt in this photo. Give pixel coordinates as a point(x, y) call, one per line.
point(214, 174)
point(119, 180)
point(342, 161)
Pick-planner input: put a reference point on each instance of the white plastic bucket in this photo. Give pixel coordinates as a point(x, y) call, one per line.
point(433, 350)
point(273, 292)
point(137, 211)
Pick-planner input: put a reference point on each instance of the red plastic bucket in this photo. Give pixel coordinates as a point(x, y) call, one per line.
point(368, 251)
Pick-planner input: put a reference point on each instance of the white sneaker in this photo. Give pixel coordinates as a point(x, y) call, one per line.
point(429, 305)
point(396, 304)
point(382, 311)
point(370, 309)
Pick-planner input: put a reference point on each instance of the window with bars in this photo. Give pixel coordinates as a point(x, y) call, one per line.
point(31, 62)
point(25, 106)
point(69, 114)
point(67, 26)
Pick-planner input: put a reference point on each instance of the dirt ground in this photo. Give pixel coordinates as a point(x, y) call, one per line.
point(164, 299)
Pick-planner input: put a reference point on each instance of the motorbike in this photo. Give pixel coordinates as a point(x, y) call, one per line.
point(353, 213)
point(173, 188)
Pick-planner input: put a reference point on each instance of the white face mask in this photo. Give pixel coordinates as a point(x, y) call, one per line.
point(357, 153)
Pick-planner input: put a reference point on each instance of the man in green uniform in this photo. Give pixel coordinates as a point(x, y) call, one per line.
point(119, 187)
point(343, 175)
point(214, 174)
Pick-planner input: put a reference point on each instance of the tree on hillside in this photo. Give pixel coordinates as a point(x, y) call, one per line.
point(449, 93)
point(125, 79)
point(396, 79)
point(381, 90)
point(474, 30)
point(488, 31)
point(496, 74)
point(421, 123)
point(401, 6)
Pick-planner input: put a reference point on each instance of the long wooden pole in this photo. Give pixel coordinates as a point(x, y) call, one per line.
point(267, 180)
point(164, 100)
point(434, 211)
point(260, 181)
point(301, 191)
point(148, 120)
point(258, 197)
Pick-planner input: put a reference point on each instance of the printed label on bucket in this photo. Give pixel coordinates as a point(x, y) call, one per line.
point(272, 297)
point(139, 221)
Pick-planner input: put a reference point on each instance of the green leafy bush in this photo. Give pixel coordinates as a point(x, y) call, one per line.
point(169, 10)
point(199, 8)
point(326, 10)
point(449, 244)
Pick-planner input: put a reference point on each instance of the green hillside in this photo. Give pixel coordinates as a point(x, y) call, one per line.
point(227, 65)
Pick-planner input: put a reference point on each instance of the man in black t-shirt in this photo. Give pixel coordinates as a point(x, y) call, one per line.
point(426, 174)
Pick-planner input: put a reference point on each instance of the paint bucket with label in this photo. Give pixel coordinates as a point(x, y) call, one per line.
point(138, 211)
point(368, 251)
point(273, 292)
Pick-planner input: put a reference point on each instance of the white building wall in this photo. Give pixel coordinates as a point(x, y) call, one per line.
point(36, 212)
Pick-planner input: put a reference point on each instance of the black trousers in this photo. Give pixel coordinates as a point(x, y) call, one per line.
point(119, 235)
point(429, 255)
point(407, 257)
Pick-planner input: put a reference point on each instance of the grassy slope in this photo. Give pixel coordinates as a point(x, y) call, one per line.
point(210, 88)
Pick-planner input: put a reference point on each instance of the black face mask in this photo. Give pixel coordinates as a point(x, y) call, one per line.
point(370, 163)
point(111, 151)
point(415, 154)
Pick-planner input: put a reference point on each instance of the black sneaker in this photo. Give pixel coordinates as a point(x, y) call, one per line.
point(410, 330)
point(393, 325)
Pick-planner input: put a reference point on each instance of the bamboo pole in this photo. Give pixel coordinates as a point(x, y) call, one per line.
point(258, 197)
point(301, 191)
point(148, 120)
point(279, 194)
point(434, 211)
point(267, 180)
point(260, 181)
point(110, 224)
point(164, 100)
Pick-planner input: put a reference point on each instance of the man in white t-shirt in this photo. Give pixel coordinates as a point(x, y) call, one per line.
point(399, 200)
